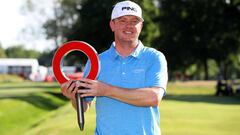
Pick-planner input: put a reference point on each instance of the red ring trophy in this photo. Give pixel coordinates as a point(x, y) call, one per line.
point(61, 78)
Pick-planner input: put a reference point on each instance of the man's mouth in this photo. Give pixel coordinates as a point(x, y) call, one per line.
point(128, 32)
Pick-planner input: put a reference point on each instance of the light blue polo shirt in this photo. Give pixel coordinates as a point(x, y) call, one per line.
point(145, 67)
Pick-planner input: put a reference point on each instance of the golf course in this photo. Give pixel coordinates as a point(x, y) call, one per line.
point(189, 108)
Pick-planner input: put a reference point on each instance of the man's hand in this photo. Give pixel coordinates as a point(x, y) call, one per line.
point(69, 89)
point(93, 88)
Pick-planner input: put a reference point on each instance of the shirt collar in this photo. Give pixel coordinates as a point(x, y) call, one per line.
point(135, 53)
point(114, 54)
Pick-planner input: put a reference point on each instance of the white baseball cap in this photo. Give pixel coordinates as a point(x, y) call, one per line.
point(126, 8)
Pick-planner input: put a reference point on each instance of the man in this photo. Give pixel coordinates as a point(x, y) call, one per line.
point(131, 82)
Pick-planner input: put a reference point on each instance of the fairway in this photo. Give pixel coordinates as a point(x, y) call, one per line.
point(189, 108)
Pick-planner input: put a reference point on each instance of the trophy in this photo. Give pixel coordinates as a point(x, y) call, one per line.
point(61, 78)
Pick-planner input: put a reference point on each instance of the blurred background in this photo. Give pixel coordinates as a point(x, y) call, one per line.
point(200, 39)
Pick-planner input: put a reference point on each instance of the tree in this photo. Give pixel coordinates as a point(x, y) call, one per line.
point(93, 23)
point(45, 58)
point(19, 51)
point(2, 52)
point(88, 20)
point(150, 29)
point(196, 31)
point(61, 25)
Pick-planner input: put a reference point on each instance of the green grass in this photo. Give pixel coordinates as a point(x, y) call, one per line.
point(63, 122)
point(189, 108)
point(186, 118)
point(10, 78)
point(23, 104)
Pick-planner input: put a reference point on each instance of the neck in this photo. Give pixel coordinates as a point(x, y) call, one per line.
point(125, 48)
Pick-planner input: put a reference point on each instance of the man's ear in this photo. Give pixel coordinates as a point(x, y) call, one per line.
point(142, 25)
point(111, 23)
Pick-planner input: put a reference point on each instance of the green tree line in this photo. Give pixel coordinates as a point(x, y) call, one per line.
point(200, 38)
point(191, 33)
point(18, 51)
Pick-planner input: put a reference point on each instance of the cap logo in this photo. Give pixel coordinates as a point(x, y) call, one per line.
point(129, 8)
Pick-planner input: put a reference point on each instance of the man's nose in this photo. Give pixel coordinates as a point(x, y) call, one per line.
point(129, 24)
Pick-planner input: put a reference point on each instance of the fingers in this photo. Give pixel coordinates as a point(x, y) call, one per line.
point(69, 86)
point(88, 87)
point(69, 89)
point(85, 80)
point(66, 84)
point(84, 88)
point(87, 95)
point(86, 83)
point(82, 85)
point(86, 92)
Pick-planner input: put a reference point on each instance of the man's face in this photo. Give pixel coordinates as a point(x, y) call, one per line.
point(126, 28)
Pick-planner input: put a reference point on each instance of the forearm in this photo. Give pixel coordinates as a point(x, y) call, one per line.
point(138, 97)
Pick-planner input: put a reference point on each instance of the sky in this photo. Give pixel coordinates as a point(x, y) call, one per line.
point(24, 28)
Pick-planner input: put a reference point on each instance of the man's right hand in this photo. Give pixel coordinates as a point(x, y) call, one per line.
point(69, 89)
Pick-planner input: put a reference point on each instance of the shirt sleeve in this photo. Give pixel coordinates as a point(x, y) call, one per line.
point(157, 74)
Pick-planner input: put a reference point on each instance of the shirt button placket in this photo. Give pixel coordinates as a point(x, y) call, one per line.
point(123, 69)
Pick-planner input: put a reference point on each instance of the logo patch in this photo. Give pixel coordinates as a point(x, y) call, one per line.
point(138, 71)
point(129, 8)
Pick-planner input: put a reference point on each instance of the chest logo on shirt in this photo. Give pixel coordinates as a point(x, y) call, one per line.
point(137, 71)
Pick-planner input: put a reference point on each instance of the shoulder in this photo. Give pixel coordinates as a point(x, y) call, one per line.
point(152, 53)
point(104, 54)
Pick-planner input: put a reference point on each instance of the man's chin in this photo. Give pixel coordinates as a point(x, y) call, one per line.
point(129, 39)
